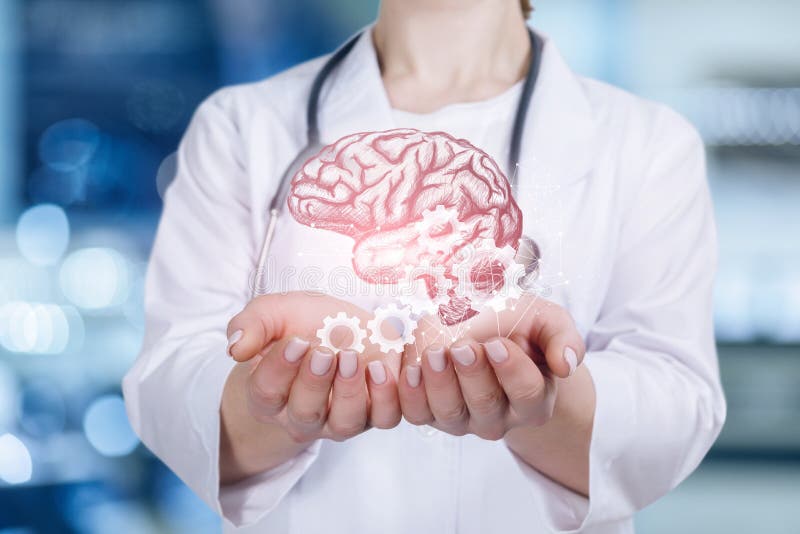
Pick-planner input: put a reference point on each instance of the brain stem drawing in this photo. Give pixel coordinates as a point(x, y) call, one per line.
point(409, 199)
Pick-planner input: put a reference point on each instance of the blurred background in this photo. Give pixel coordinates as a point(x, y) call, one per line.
point(94, 96)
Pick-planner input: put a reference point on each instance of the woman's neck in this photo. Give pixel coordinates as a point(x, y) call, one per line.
point(438, 52)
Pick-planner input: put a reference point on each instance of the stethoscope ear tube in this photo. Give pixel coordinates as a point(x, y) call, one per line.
point(518, 130)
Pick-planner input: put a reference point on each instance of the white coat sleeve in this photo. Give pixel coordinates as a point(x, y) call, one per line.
point(197, 280)
point(651, 352)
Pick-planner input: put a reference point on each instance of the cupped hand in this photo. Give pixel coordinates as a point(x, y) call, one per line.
point(310, 391)
point(492, 373)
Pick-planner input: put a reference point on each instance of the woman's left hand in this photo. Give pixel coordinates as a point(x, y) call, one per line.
point(473, 388)
point(487, 384)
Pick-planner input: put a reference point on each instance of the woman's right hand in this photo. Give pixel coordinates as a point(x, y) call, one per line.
point(291, 391)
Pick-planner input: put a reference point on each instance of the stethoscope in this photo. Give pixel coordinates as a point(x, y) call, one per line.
point(313, 144)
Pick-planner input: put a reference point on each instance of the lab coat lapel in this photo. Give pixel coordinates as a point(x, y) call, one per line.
point(560, 143)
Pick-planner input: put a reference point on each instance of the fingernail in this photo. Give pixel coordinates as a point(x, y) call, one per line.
point(236, 336)
point(497, 351)
point(463, 354)
point(377, 372)
point(321, 362)
point(413, 375)
point(295, 349)
point(571, 358)
point(348, 363)
point(436, 359)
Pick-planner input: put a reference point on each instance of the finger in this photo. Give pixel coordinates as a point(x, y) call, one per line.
point(482, 393)
point(307, 407)
point(555, 333)
point(444, 392)
point(529, 392)
point(348, 413)
point(270, 381)
point(384, 403)
point(257, 325)
point(413, 402)
point(547, 325)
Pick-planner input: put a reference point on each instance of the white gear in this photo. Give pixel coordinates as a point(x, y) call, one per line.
point(432, 218)
point(512, 289)
point(342, 320)
point(413, 291)
point(385, 313)
point(485, 252)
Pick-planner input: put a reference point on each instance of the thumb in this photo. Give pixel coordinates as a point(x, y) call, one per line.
point(255, 327)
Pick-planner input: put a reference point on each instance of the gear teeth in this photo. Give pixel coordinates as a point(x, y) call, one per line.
point(342, 320)
point(513, 273)
point(388, 312)
point(439, 216)
point(413, 291)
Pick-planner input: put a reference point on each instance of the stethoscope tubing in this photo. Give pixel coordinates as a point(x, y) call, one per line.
point(313, 143)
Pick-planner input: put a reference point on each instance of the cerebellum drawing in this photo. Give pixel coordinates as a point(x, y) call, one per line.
point(420, 206)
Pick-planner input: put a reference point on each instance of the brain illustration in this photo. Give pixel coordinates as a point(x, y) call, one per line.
point(380, 188)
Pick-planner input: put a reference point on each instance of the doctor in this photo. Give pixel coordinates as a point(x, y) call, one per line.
point(471, 437)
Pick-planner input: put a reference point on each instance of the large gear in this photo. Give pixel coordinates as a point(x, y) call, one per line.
point(413, 290)
point(437, 218)
point(391, 311)
point(485, 252)
point(342, 320)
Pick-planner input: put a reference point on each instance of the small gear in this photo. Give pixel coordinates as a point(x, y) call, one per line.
point(438, 218)
point(391, 311)
point(413, 290)
point(512, 289)
point(342, 320)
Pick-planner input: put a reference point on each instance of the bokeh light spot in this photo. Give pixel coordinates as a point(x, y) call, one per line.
point(95, 278)
point(69, 144)
point(39, 328)
point(43, 234)
point(16, 466)
point(107, 428)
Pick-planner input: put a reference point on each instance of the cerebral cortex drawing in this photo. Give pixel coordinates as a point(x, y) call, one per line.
point(420, 206)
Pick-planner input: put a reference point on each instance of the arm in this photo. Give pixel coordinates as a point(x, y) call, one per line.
point(294, 392)
point(651, 356)
point(197, 280)
point(560, 447)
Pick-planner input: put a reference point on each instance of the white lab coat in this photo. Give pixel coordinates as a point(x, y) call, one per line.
point(618, 201)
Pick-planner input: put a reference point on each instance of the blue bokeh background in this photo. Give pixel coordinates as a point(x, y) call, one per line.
point(94, 96)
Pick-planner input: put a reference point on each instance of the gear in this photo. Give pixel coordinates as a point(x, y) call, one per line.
point(438, 218)
point(342, 320)
point(512, 287)
point(480, 255)
point(413, 290)
point(391, 311)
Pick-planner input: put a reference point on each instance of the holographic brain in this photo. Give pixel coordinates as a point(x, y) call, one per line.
point(408, 198)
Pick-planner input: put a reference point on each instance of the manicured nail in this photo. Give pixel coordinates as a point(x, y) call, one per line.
point(413, 375)
point(463, 354)
point(321, 362)
point(348, 363)
point(295, 349)
point(377, 372)
point(571, 358)
point(436, 359)
point(236, 336)
point(497, 351)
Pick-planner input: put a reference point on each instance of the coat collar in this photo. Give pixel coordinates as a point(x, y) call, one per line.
point(560, 143)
